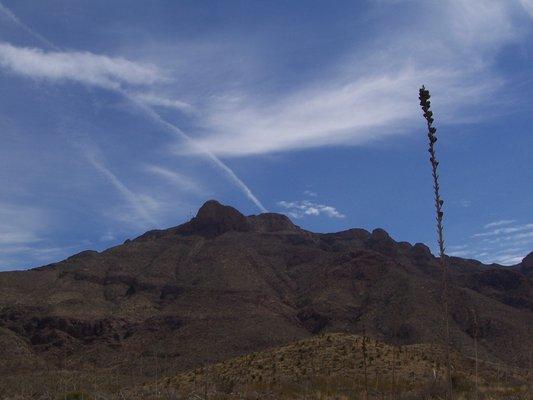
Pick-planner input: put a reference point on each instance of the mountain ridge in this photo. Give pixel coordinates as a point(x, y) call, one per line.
point(214, 219)
point(223, 285)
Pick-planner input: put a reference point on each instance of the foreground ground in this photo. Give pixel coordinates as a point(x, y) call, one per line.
point(330, 366)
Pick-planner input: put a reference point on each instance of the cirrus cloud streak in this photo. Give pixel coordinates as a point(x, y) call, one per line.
point(82, 67)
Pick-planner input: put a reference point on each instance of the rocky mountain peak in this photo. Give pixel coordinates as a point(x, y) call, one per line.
point(272, 222)
point(214, 219)
point(527, 265)
point(380, 234)
point(528, 261)
point(213, 210)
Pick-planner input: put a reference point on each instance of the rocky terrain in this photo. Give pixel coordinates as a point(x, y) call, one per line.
point(340, 363)
point(225, 285)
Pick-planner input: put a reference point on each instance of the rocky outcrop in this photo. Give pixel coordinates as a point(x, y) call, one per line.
point(526, 266)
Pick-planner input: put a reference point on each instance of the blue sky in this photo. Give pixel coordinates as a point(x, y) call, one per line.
point(119, 117)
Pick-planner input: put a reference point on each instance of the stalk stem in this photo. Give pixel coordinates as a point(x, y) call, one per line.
point(424, 97)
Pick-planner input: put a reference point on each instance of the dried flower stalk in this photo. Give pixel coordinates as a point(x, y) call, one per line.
point(424, 97)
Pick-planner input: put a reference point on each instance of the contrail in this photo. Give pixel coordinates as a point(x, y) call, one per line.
point(91, 151)
point(13, 18)
point(152, 114)
point(131, 197)
point(155, 117)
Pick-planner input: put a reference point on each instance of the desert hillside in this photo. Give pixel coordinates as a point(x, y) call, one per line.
point(224, 286)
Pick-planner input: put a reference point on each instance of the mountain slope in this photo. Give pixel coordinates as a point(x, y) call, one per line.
point(224, 285)
point(336, 363)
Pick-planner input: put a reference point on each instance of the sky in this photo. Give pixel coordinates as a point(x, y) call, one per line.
point(125, 116)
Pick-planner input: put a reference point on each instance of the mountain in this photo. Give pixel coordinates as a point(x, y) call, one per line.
point(224, 285)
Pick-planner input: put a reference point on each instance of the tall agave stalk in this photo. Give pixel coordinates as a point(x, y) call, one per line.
point(432, 136)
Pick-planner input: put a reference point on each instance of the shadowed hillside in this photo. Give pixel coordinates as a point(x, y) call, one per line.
point(224, 285)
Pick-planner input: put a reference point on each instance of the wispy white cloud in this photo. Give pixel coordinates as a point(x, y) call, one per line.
point(154, 99)
point(499, 223)
point(459, 250)
point(82, 67)
point(509, 258)
point(8, 15)
point(20, 225)
point(23, 234)
point(139, 203)
point(199, 149)
point(330, 113)
point(460, 253)
point(525, 235)
point(108, 236)
point(176, 178)
point(505, 231)
point(113, 74)
point(504, 242)
point(528, 6)
point(483, 23)
point(36, 254)
point(369, 95)
point(298, 209)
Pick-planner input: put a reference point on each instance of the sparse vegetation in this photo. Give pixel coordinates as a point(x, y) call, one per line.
point(321, 367)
